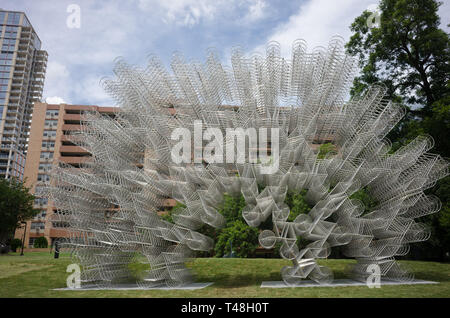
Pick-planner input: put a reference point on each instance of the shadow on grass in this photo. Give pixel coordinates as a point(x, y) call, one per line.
point(433, 276)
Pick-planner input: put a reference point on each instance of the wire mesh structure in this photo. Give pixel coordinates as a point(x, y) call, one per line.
point(304, 98)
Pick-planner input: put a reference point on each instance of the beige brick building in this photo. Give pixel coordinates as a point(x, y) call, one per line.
point(47, 145)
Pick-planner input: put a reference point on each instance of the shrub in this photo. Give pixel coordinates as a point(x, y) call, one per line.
point(41, 242)
point(231, 208)
point(15, 244)
point(243, 238)
point(297, 204)
point(174, 210)
point(325, 149)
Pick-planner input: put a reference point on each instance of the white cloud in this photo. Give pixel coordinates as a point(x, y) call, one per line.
point(256, 11)
point(57, 81)
point(183, 12)
point(317, 21)
point(192, 12)
point(90, 86)
point(55, 100)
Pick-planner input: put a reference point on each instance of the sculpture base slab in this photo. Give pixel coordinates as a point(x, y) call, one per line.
point(192, 286)
point(340, 283)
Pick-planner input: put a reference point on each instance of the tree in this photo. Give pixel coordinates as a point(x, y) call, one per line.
point(231, 208)
point(438, 125)
point(407, 52)
point(15, 243)
point(16, 206)
point(410, 55)
point(242, 237)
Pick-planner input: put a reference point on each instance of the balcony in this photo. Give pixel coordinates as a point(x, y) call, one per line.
point(72, 150)
point(69, 127)
point(10, 132)
point(75, 160)
point(72, 117)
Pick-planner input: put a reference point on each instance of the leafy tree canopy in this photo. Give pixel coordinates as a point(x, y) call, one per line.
point(16, 206)
point(408, 52)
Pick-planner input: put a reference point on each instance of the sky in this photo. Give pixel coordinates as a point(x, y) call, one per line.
point(81, 55)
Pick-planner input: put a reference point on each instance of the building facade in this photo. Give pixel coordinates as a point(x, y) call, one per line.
point(22, 73)
point(48, 145)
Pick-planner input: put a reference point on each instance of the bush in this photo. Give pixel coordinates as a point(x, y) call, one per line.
point(231, 208)
point(297, 204)
point(15, 244)
point(41, 242)
point(174, 210)
point(325, 149)
point(243, 238)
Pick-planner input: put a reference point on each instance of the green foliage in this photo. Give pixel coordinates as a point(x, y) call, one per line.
point(443, 217)
point(324, 149)
point(15, 243)
point(439, 223)
point(438, 125)
point(368, 201)
point(243, 238)
point(176, 209)
point(297, 204)
point(40, 242)
point(407, 52)
point(16, 205)
point(410, 55)
point(231, 208)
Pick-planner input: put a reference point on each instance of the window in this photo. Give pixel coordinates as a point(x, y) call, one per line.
point(51, 123)
point(43, 178)
point(13, 18)
point(41, 215)
point(38, 225)
point(60, 224)
point(46, 155)
point(7, 55)
point(12, 28)
point(48, 144)
point(49, 133)
point(40, 201)
point(25, 22)
point(52, 112)
point(45, 166)
point(5, 62)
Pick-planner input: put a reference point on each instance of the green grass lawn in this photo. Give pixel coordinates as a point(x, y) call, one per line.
point(37, 273)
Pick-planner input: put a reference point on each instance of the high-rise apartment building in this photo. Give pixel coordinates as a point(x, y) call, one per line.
point(22, 73)
point(49, 144)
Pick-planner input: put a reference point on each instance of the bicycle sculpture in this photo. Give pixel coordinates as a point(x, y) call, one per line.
point(303, 98)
